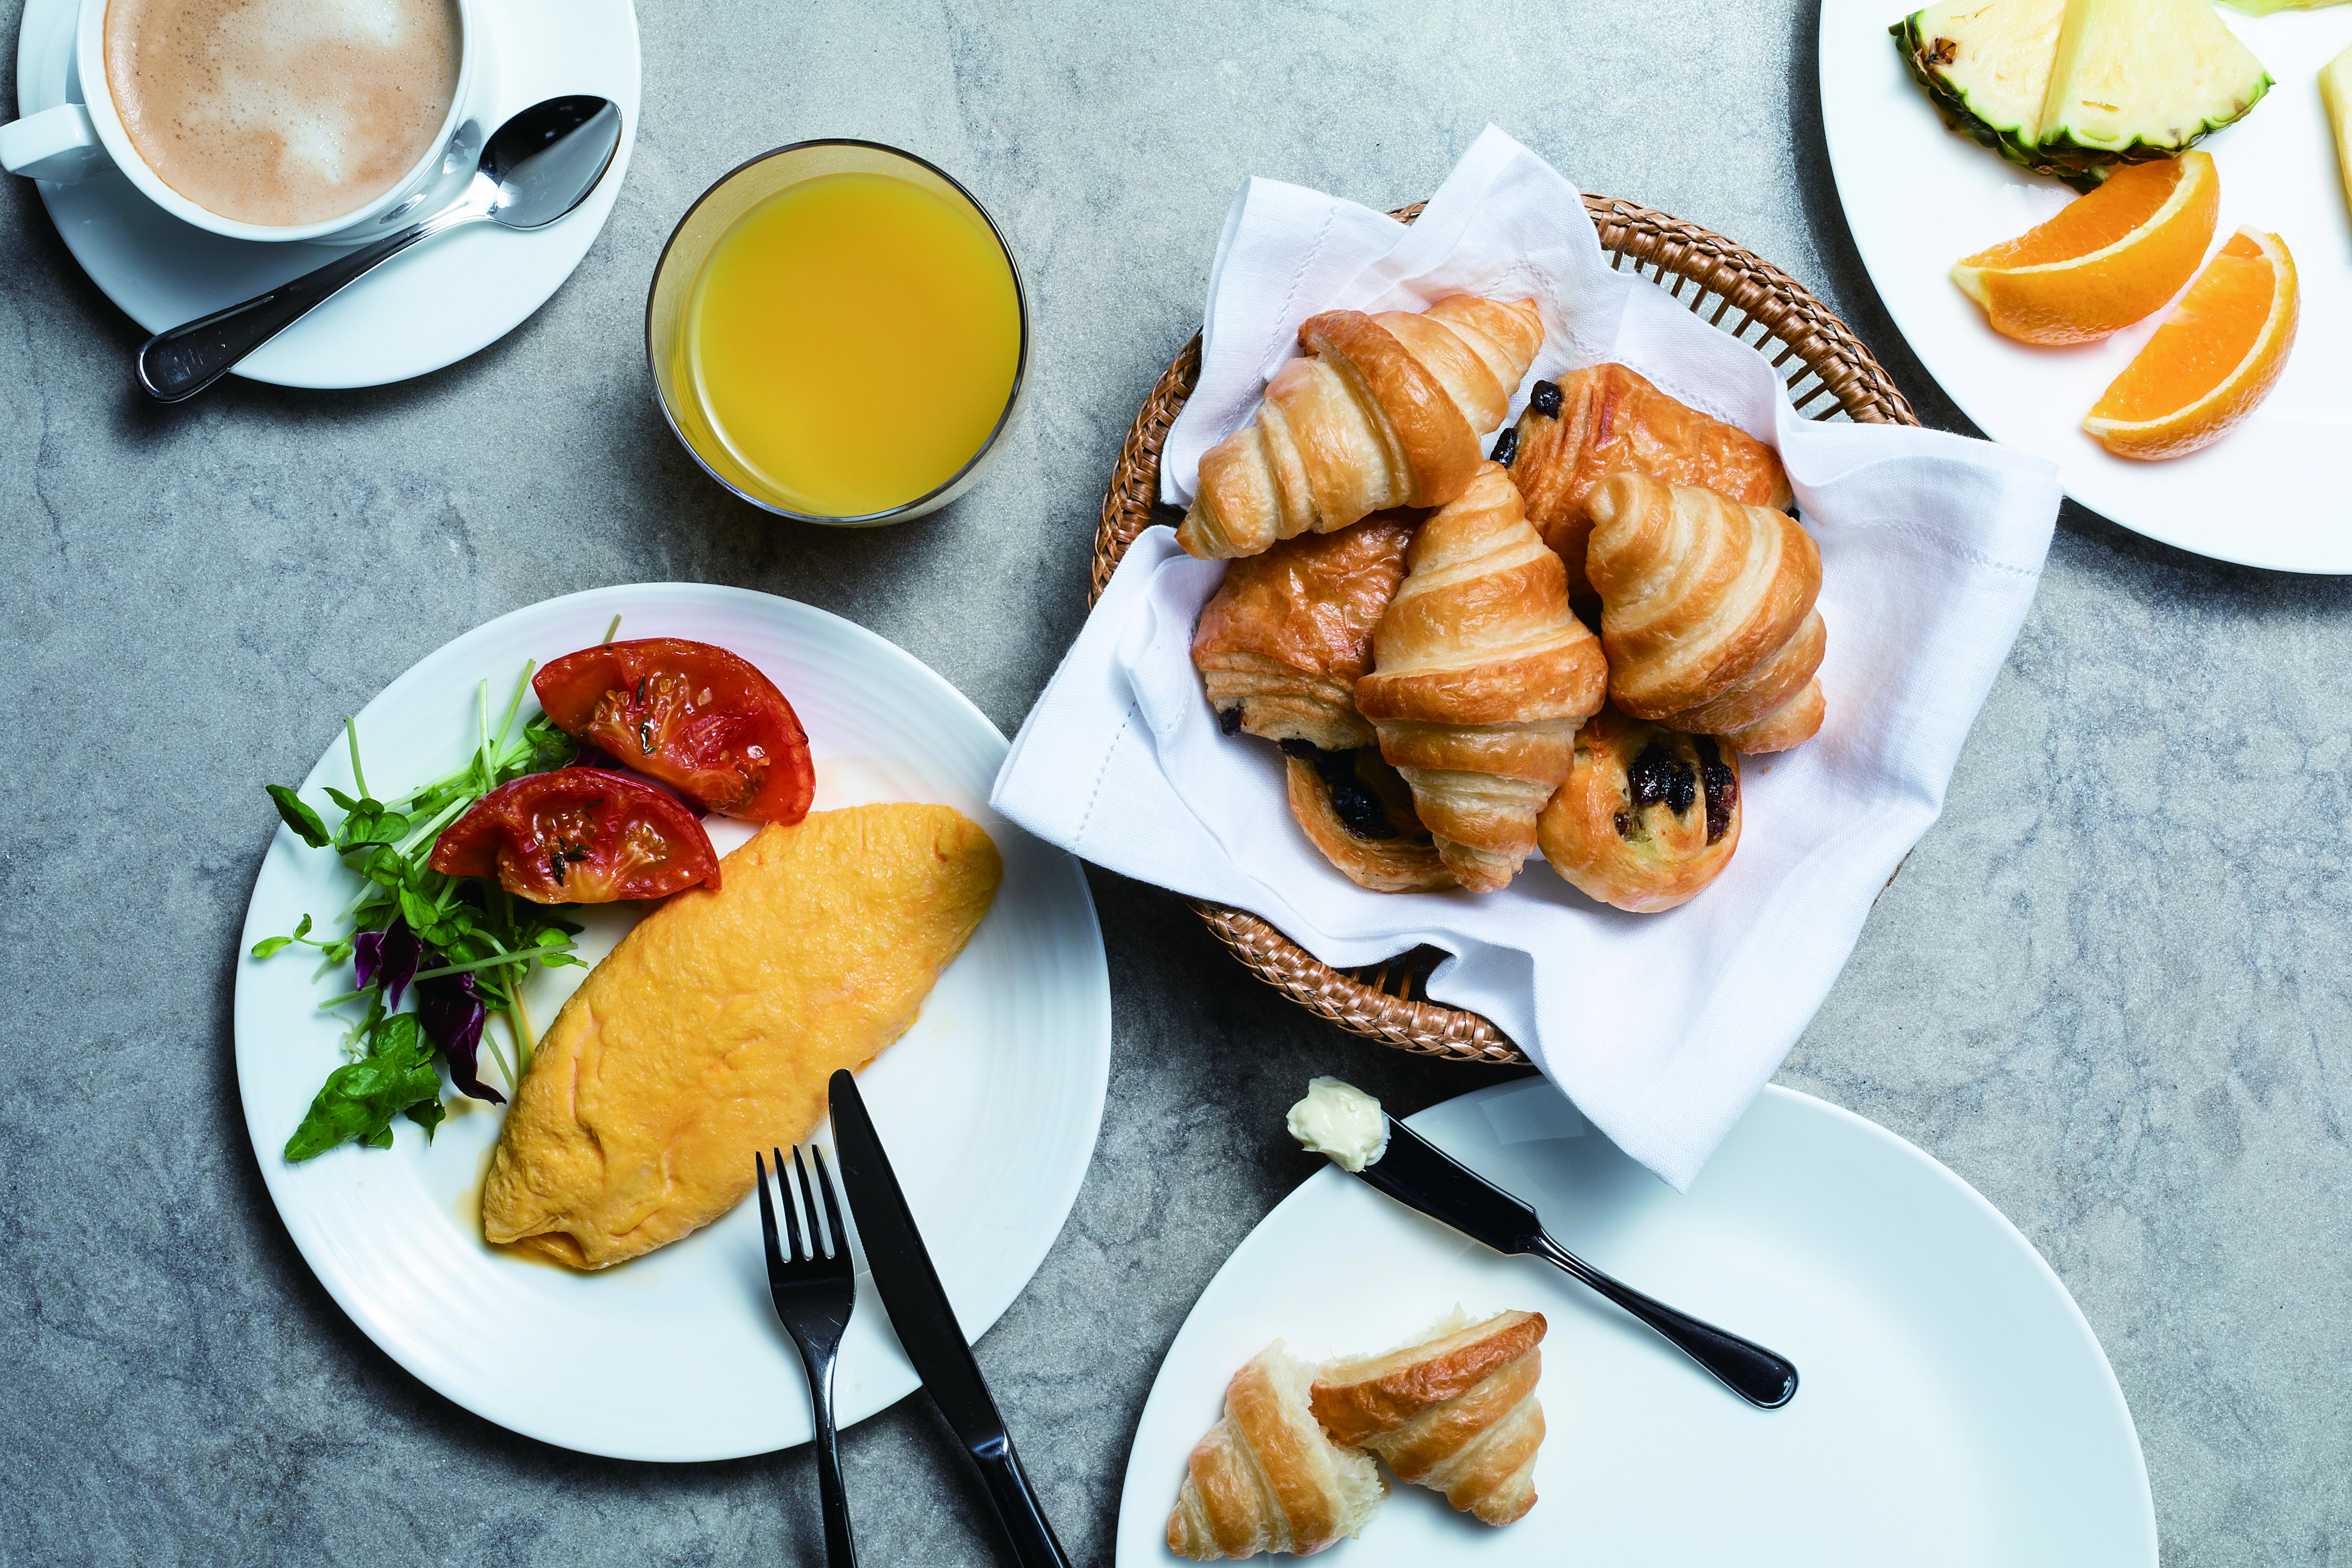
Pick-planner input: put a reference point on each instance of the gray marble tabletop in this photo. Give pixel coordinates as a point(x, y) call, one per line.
point(2111, 990)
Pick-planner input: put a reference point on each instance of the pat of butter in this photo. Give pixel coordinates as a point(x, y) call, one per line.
point(1340, 1120)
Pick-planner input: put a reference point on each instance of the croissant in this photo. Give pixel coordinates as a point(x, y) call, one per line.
point(1356, 809)
point(1648, 815)
point(1265, 1478)
point(1280, 646)
point(1383, 411)
point(1456, 1414)
point(1480, 675)
point(1706, 612)
point(1605, 418)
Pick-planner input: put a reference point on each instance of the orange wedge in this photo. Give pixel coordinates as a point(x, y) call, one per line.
point(2106, 260)
point(2217, 355)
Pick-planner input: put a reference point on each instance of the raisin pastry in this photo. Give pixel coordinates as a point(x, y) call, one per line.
point(1706, 612)
point(1648, 815)
point(1359, 811)
point(1456, 1412)
point(1383, 411)
point(1480, 675)
point(1281, 644)
point(1606, 417)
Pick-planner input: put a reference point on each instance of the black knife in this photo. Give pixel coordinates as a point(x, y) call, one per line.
point(927, 1325)
point(1420, 1177)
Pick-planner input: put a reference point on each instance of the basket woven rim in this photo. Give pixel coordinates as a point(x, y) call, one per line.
point(1791, 318)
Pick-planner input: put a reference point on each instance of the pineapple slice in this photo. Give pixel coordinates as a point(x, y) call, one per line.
point(2335, 90)
point(1986, 65)
point(2137, 79)
point(2264, 7)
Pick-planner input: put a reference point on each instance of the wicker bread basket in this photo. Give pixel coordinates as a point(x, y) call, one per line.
point(1830, 376)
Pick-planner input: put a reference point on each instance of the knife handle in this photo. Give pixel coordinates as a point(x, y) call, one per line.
point(1034, 1545)
point(1760, 1376)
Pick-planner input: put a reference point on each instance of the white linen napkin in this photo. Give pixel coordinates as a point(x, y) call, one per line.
point(1661, 1029)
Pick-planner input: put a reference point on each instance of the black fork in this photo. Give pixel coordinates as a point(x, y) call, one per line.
point(815, 1289)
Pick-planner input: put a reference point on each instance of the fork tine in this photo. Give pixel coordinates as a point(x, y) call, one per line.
point(791, 1205)
point(832, 1203)
point(808, 1195)
point(768, 1222)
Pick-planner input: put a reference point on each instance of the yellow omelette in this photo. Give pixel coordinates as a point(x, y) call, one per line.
point(711, 1030)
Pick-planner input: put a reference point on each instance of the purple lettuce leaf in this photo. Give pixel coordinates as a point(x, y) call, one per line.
point(452, 1016)
point(391, 955)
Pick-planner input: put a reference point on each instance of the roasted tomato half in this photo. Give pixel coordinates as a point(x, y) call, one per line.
point(691, 715)
point(579, 836)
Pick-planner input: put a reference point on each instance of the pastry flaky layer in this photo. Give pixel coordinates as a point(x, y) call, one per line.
point(1381, 411)
point(1280, 646)
point(1648, 816)
point(711, 1030)
point(1606, 419)
point(1265, 1478)
point(1455, 1412)
point(1480, 676)
point(1706, 612)
point(1358, 812)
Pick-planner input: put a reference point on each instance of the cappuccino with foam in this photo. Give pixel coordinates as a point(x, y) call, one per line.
point(282, 112)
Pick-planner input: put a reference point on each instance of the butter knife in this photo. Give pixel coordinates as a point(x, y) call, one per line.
point(1418, 1174)
point(927, 1326)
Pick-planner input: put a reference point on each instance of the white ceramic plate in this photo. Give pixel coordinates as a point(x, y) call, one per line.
point(1918, 197)
point(989, 1105)
point(1952, 1407)
point(417, 312)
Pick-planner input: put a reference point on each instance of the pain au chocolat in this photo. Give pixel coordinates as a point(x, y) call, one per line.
point(1281, 644)
point(1608, 418)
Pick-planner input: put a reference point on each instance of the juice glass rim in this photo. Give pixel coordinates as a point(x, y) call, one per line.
point(1020, 367)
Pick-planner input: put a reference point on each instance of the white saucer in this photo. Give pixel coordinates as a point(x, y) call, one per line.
point(1953, 1408)
point(435, 305)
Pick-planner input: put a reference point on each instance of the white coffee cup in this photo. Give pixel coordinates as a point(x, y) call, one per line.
point(74, 141)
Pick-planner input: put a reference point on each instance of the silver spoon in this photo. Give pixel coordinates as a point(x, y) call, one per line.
point(538, 167)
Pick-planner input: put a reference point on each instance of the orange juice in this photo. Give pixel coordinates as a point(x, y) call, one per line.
point(853, 341)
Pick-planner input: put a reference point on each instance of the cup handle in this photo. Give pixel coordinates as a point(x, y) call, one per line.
point(59, 144)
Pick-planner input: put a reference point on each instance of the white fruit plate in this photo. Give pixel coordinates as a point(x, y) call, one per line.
point(1918, 197)
point(989, 1105)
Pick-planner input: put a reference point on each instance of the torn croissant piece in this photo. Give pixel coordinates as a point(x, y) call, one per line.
point(1381, 411)
point(1358, 810)
point(1456, 1412)
point(1480, 676)
point(1265, 1478)
point(1706, 612)
point(1281, 644)
point(1605, 418)
point(1648, 815)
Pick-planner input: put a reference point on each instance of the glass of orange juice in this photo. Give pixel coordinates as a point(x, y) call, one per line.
point(838, 333)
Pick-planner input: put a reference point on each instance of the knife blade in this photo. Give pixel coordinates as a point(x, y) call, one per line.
point(1424, 1177)
point(927, 1327)
point(1419, 1176)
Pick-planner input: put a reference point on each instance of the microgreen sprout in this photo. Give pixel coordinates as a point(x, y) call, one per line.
point(464, 945)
